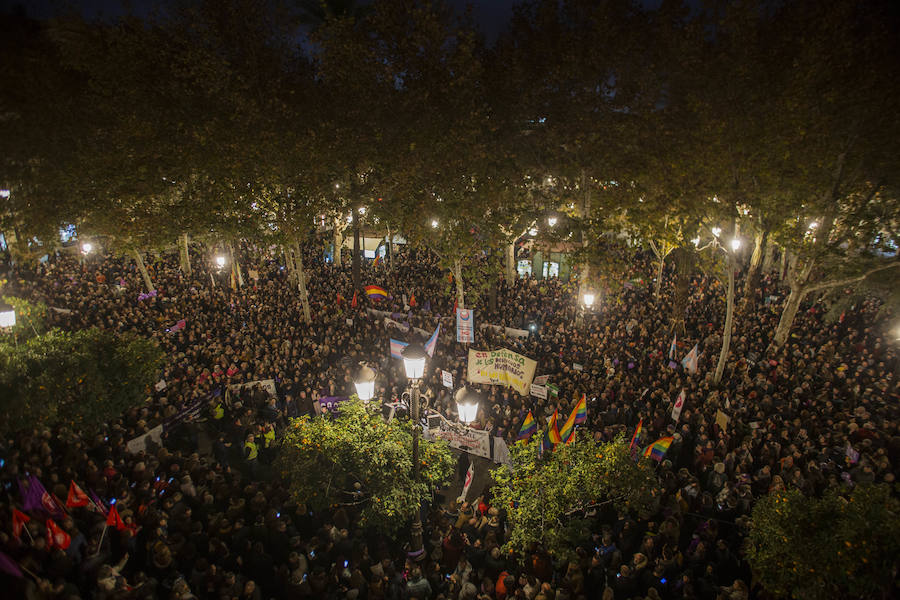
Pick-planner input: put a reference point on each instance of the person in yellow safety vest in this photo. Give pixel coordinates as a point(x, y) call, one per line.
point(269, 435)
point(218, 411)
point(251, 450)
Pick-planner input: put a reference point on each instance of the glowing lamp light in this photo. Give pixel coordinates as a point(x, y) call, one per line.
point(220, 261)
point(7, 315)
point(362, 210)
point(467, 401)
point(532, 327)
point(365, 383)
point(87, 248)
point(4, 193)
point(434, 223)
point(813, 225)
point(696, 241)
point(414, 357)
point(735, 244)
point(716, 231)
point(589, 300)
point(533, 231)
point(552, 221)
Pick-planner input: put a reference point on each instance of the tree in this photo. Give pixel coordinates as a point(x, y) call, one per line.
point(356, 460)
point(80, 379)
point(838, 546)
point(547, 495)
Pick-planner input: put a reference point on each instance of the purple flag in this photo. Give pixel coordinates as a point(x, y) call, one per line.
point(36, 498)
point(8, 565)
point(98, 501)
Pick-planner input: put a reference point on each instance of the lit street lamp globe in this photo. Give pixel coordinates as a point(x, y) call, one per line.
point(467, 401)
point(220, 261)
point(414, 357)
point(7, 315)
point(365, 383)
point(589, 299)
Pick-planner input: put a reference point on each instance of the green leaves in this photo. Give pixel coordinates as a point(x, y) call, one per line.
point(355, 459)
point(80, 379)
point(837, 546)
point(546, 497)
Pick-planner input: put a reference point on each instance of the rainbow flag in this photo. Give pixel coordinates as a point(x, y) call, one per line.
point(581, 410)
point(637, 432)
point(567, 431)
point(378, 261)
point(552, 431)
point(376, 293)
point(528, 427)
point(657, 450)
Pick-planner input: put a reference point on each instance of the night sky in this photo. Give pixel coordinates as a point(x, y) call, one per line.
point(492, 15)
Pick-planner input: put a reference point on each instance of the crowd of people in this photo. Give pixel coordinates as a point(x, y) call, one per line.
point(202, 516)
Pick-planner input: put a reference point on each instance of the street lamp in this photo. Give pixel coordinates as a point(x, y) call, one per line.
point(220, 261)
point(87, 248)
point(736, 244)
point(716, 231)
point(365, 382)
point(533, 231)
point(414, 357)
point(552, 221)
point(588, 299)
point(434, 223)
point(7, 314)
point(467, 405)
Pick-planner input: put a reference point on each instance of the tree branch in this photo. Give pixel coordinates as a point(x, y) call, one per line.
point(846, 280)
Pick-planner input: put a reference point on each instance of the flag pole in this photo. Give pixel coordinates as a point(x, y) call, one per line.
point(100, 545)
point(30, 537)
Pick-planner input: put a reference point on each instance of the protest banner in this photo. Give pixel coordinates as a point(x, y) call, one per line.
point(465, 330)
point(502, 367)
point(447, 379)
point(473, 441)
point(539, 391)
point(139, 443)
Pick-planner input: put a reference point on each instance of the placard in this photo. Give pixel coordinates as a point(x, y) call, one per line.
point(502, 367)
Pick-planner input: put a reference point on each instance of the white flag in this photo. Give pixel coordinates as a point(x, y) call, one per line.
point(679, 404)
point(689, 362)
point(470, 475)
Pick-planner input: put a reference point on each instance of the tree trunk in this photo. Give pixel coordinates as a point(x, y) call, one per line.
point(511, 263)
point(729, 316)
point(768, 257)
point(289, 263)
point(338, 243)
point(457, 279)
point(185, 255)
point(782, 271)
point(355, 258)
point(787, 317)
point(301, 283)
point(235, 266)
point(389, 251)
point(753, 272)
point(684, 268)
point(139, 261)
point(659, 274)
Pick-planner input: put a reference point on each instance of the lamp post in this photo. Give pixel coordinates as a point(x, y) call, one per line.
point(414, 357)
point(365, 382)
point(467, 404)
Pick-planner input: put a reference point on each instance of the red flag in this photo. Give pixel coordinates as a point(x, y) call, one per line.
point(18, 522)
point(340, 299)
point(412, 299)
point(114, 520)
point(455, 306)
point(76, 497)
point(353, 302)
point(56, 536)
